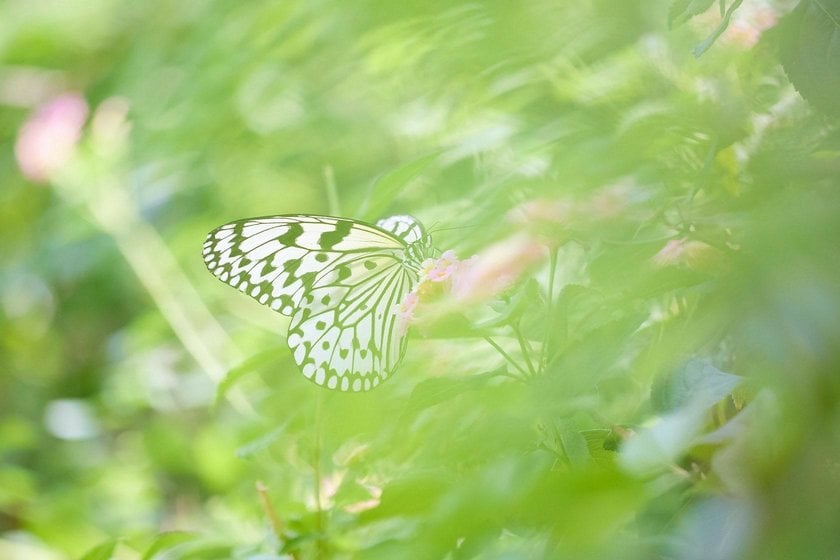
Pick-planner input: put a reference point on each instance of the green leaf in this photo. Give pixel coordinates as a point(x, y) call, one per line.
point(683, 10)
point(523, 298)
point(687, 395)
point(251, 364)
point(602, 446)
point(166, 541)
point(207, 551)
point(810, 53)
point(386, 186)
point(102, 551)
point(439, 389)
point(661, 444)
point(413, 495)
point(697, 382)
point(262, 442)
point(576, 448)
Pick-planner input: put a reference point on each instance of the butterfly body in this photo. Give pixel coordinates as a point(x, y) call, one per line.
point(339, 281)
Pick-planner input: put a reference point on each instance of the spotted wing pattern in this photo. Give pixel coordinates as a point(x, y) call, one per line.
point(337, 279)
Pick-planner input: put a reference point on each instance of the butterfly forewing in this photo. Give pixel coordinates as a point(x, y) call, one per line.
point(338, 279)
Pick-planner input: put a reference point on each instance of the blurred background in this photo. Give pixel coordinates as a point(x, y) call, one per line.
point(679, 160)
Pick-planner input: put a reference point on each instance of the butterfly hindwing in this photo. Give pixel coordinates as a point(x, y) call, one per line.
point(344, 333)
point(338, 279)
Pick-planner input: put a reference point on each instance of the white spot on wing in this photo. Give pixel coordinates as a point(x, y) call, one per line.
point(308, 370)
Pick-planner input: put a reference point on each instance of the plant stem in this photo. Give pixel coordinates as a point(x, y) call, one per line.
point(552, 273)
point(332, 191)
point(506, 356)
point(526, 350)
point(320, 521)
point(111, 208)
point(268, 508)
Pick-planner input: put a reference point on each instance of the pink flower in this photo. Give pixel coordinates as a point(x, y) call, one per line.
point(548, 220)
point(433, 276)
point(496, 268)
point(686, 252)
point(611, 201)
point(438, 270)
point(559, 211)
point(47, 141)
point(750, 22)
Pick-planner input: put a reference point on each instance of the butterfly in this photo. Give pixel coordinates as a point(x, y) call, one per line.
point(338, 279)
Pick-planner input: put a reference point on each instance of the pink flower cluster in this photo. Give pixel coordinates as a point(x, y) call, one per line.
point(471, 281)
point(750, 22)
point(433, 271)
point(439, 269)
point(48, 140)
point(497, 267)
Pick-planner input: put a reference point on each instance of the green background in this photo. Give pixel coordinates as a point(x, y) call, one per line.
point(689, 404)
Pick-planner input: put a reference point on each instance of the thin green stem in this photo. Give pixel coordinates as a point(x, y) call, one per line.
point(709, 41)
point(268, 508)
point(320, 520)
point(552, 274)
point(332, 191)
point(116, 213)
point(703, 180)
point(526, 350)
point(505, 355)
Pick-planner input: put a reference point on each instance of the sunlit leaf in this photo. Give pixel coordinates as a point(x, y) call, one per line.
point(385, 188)
point(697, 382)
point(250, 365)
point(102, 551)
point(165, 542)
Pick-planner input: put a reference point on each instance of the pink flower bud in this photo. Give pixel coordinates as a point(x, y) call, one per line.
point(47, 141)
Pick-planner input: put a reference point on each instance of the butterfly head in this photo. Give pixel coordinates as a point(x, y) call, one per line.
point(418, 251)
point(417, 241)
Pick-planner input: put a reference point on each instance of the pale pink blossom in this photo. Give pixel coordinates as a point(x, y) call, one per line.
point(496, 268)
point(611, 201)
point(687, 252)
point(436, 278)
point(559, 211)
point(750, 22)
point(48, 140)
point(447, 279)
point(438, 270)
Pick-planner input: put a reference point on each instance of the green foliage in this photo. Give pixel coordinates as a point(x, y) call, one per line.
point(644, 365)
point(809, 51)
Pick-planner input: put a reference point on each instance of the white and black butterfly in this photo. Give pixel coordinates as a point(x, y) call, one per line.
point(338, 279)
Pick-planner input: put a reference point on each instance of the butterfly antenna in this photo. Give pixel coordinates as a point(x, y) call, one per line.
point(434, 229)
